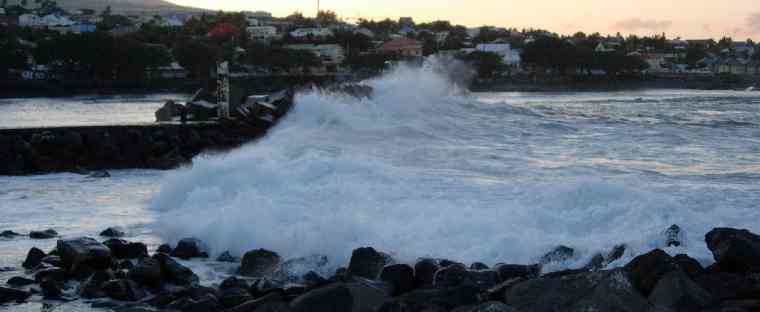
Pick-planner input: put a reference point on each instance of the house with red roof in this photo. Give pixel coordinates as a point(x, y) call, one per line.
point(223, 30)
point(402, 47)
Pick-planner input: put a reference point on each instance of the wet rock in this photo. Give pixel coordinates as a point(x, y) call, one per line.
point(433, 299)
point(112, 232)
point(729, 286)
point(734, 250)
point(366, 262)
point(46, 234)
point(147, 272)
point(92, 287)
point(510, 271)
point(260, 304)
point(292, 269)
point(265, 286)
point(189, 248)
point(165, 248)
point(99, 174)
point(121, 249)
point(233, 282)
point(55, 274)
point(478, 266)
point(51, 288)
point(232, 297)
point(352, 297)
point(174, 272)
point(590, 291)
point(33, 258)
point(260, 263)
point(424, 272)
point(689, 265)
point(483, 279)
point(450, 276)
point(400, 276)
point(53, 260)
point(124, 290)
point(226, 257)
point(647, 269)
point(491, 306)
point(673, 236)
point(597, 262)
point(84, 251)
point(313, 280)
point(18, 281)
point(203, 304)
point(616, 253)
point(557, 255)
point(675, 291)
point(13, 295)
point(497, 291)
point(9, 234)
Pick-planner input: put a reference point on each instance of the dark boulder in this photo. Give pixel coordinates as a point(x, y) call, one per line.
point(313, 280)
point(33, 258)
point(19, 281)
point(260, 263)
point(483, 279)
point(689, 265)
point(232, 297)
point(673, 236)
point(424, 272)
point(510, 271)
point(491, 306)
point(265, 286)
point(55, 274)
point(647, 269)
point(51, 288)
point(112, 232)
point(205, 303)
point(124, 290)
point(226, 257)
point(13, 295)
point(92, 287)
point(100, 174)
point(675, 291)
point(400, 276)
point(121, 249)
point(53, 260)
point(9, 234)
point(84, 251)
point(189, 248)
point(557, 255)
point(478, 266)
point(724, 286)
point(147, 272)
point(734, 250)
point(260, 304)
point(366, 262)
point(164, 248)
point(358, 296)
point(175, 272)
point(233, 282)
point(589, 291)
point(450, 276)
point(46, 234)
point(433, 299)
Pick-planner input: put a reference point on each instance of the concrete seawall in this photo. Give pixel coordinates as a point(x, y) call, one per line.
point(150, 146)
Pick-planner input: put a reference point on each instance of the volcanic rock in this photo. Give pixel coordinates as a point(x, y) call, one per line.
point(84, 251)
point(734, 250)
point(366, 262)
point(260, 263)
point(33, 258)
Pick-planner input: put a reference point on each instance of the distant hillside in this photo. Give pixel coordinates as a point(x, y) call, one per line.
point(117, 6)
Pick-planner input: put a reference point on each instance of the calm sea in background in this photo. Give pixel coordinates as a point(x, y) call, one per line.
point(493, 177)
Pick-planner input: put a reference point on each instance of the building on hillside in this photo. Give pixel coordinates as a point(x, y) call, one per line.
point(365, 31)
point(743, 49)
point(406, 22)
point(330, 54)
point(124, 30)
point(658, 62)
point(405, 47)
point(258, 15)
point(171, 22)
point(407, 31)
point(607, 47)
point(75, 29)
point(311, 33)
point(223, 31)
point(262, 33)
point(509, 56)
point(252, 22)
point(734, 66)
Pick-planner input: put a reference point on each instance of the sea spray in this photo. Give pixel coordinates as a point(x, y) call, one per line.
point(418, 170)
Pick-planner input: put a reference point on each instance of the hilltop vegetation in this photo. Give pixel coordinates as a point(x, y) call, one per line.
point(116, 5)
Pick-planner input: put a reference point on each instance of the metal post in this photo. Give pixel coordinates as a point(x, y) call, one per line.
point(223, 89)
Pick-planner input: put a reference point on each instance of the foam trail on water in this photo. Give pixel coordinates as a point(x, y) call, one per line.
point(415, 171)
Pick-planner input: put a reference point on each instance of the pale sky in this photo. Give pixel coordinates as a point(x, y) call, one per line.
point(685, 18)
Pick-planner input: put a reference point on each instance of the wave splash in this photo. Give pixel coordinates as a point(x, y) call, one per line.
point(410, 172)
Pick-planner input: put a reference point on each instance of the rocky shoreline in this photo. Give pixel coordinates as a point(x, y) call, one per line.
point(122, 276)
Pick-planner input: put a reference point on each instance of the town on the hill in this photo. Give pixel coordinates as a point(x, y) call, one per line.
point(42, 42)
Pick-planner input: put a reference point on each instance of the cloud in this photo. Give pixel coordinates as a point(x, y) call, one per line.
point(634, 24)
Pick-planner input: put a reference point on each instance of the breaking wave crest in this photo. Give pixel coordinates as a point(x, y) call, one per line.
point(421, 170)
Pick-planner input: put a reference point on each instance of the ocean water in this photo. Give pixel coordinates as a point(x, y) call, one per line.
point(82, 110)
point(423, 169)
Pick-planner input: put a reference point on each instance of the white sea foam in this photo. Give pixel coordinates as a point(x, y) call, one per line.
point(420, 171)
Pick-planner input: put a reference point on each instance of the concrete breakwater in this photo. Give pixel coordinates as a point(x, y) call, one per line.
point(84, 148)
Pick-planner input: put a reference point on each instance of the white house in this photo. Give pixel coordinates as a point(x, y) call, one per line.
point(331, 54)
point(509, 56)
point(252, 21)
point(311, 32)
point(262, 32)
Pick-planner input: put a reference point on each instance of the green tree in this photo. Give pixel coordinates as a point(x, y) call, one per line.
point(486, 63)
point(197, 57)
point(325, 18)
